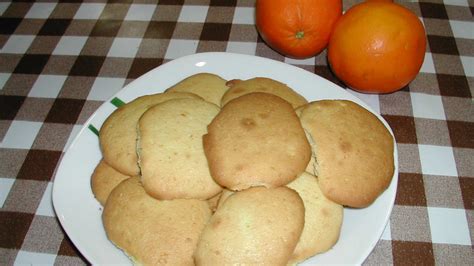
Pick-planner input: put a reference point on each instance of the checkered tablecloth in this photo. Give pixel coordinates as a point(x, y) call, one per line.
point(59, 61)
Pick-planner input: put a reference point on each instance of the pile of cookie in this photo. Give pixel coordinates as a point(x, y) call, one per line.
point(213, 171)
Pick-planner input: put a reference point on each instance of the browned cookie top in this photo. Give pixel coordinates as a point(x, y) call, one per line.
point(256, 140)
point(353, 151)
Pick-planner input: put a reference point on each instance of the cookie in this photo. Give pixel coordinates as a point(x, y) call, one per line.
point(118, 134)
point(103, 180)
point(323, 219)
point(353, 151)
point(257, 226)
point(256, 140)
point(150, 231)
point(261, 84)
point(171, 155)
point(209, 86)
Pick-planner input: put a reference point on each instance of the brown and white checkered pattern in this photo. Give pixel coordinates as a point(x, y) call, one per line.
point(60, 60)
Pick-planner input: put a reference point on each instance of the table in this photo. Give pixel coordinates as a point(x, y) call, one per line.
point(59, 61)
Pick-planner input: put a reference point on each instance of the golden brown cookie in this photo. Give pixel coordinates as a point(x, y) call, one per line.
point(104, 179)
point(256, 140)
point(150, 231)
point(353, 151)
point(172, 159)
point(257, 226)
point(118, 134)
point(323, 219)
point(209, 86)
point(261, 84)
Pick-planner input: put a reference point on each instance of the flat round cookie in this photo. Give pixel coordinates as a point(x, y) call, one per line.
point(150, 231)
point(118, 134)
point(257, 226)
point(256, 140)
point(104, 179)
point(266, 85)
point(171, 154)
point(209, 86)
point(353, 151)
point(323, 219)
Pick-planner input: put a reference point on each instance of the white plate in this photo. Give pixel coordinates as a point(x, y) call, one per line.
point(80, 214)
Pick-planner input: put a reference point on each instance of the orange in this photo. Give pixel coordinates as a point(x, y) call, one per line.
point(298, 29)
point(377, 47)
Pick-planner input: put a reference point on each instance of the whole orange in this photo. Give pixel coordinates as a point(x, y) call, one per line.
point(298, 29)
point(377, 47)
